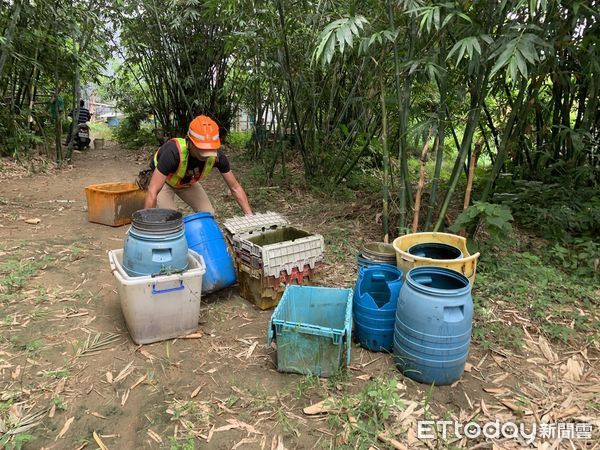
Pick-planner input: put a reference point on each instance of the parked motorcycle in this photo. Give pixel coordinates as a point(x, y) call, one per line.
point(82, 136)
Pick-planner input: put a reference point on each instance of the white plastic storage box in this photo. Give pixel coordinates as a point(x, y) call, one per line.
point(161, 307)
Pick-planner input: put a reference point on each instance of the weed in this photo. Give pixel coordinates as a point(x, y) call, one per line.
point(307, 384)
point(58, 373)
point(286, 424)
point(556, 303)
point(15, 273)
point(187, 445)
point(59, 402)
point(33, 346)
point(16, 442)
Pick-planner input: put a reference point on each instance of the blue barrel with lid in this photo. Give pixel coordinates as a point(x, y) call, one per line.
point(434, 317)
point(375, 297)
point(155, 244)
point(205, 238)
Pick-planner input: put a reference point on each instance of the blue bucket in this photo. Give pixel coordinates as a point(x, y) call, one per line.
point(205, 238)
point(376, 294)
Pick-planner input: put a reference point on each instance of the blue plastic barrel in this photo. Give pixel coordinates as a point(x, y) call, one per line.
point(376, 294)
point(155, 244)
point(205, 238)
point(433, 325)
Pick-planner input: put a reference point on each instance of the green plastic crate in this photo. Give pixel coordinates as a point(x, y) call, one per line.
point(311, 326)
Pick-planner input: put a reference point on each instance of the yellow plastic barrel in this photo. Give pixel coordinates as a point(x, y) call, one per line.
point(467, 265)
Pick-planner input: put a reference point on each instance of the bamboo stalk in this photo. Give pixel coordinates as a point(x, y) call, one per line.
point(470, 177)
point(415, 224)
point(386, 164)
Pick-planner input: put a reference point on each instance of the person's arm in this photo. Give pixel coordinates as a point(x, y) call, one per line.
point(156, 184)
point(238, 192)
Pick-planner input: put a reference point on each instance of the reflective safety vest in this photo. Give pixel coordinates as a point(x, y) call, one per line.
point(174, 179)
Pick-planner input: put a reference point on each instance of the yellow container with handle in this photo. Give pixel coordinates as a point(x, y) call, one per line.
point(467, 264)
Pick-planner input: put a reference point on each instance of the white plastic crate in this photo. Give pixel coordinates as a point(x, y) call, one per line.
point(256, 223)
point(254, 242)
point(162, 307)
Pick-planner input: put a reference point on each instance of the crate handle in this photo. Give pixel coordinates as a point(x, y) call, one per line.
point(164, 291)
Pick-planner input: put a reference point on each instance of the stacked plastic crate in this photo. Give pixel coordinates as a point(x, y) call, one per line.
point(271, 254)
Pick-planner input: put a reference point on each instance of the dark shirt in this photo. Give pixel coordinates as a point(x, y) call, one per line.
point(168, 162)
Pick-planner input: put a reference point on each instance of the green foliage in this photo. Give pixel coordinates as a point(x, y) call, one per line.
point(16, 442)
point(239, 139)
point(340, 33)
point(559, 304)
point(581, 258)
point(558, 211)
point(132, 134)
point(15, 273)
point(377, 400)
point(495, 218)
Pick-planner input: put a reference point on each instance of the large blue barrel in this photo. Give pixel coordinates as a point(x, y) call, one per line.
point(374, 309)
point(205, 238)
point(433, 325)
point(155, 243)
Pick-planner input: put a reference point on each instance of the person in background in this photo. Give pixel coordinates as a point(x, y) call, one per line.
point(84, 117)
point(180, 163)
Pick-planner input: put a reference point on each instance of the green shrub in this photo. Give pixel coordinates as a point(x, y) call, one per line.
point(239, 139)
point(132, 134)
point(495, 218)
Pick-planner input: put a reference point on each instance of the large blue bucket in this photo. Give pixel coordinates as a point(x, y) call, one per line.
point(375, 298)
point(205, 238)
point(433, 325)
point(155, 244)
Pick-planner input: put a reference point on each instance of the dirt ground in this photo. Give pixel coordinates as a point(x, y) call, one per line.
point(71, 377)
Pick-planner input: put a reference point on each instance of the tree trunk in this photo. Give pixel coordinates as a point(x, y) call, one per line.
point(415, 224)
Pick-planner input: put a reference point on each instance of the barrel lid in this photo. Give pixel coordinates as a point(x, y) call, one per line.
point(379, 251)
point(254, 223)
point(157, 220)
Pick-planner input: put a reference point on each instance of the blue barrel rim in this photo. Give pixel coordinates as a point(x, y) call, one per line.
point(423, 270)
point(198, 215)
point(385, 267)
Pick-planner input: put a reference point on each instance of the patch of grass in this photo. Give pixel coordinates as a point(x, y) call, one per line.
point(101, 130)
point(33, 346)
point(59, 402)
point(14, 273)
point(306, 385)
point(369, 411)
point(187, 445)
point(558, 304)
point(58, 373)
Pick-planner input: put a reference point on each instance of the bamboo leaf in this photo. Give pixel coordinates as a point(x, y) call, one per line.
point(502, 60)
point(521, 63)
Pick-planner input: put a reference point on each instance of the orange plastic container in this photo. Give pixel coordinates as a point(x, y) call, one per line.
point(113, 203)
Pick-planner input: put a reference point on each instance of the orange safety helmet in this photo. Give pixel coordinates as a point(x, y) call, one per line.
point(204, 134)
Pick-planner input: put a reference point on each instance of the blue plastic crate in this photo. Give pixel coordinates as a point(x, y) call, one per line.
point(311, 325)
